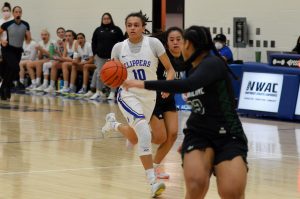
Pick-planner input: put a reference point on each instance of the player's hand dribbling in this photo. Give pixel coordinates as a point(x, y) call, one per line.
point(133, 84)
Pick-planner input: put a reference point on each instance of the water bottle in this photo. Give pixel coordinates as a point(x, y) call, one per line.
point(60, 84)
point(51, 50)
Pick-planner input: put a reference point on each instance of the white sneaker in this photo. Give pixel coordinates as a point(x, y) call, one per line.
point(41, 88)
point(110, 121)
point(31, 87)
point(111, 96)
point(157, 189)
point(88, 94)
point(50, 89)
point(95, 96)
point(82, 91)
point(66, 90)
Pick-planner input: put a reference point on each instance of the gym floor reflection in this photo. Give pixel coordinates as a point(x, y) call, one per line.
point(52, 147)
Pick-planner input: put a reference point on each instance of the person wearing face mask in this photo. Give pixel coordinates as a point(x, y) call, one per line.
point(223, 49)
point(6, 13)
point(12, 49)
point(104, 38)
point(6, 16)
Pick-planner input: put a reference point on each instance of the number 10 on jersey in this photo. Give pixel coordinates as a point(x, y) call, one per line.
point(139, 74)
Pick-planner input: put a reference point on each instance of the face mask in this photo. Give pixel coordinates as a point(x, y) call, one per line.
point(6, 15)
point(218, 45)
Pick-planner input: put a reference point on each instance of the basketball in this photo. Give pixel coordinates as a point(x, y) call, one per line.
point(113, 73)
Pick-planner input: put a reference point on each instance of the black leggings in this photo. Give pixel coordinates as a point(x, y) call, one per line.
point(10, 65)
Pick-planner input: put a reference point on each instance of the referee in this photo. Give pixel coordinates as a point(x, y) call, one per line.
point(12, 49)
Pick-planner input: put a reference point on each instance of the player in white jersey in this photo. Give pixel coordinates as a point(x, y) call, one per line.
point(35, 68)
point(29, 55)
point(140, 55)
point(83, 61)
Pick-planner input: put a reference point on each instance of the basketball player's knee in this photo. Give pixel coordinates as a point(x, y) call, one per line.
point(196, 183)
point(172, 137)
point(230, 192)
point(159, 138)
point(142, 130)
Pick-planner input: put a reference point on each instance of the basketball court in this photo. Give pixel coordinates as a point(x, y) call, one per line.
point(52, 147)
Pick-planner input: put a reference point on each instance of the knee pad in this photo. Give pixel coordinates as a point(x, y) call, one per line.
point(143, 133)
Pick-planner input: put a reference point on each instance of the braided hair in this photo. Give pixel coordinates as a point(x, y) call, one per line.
point(143, 18)
point(202, 41)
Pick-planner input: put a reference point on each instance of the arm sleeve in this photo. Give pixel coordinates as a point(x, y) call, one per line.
point(205, 74)
point(157, 47)
point(27, 26)
point(4, 26)
point(227, 53)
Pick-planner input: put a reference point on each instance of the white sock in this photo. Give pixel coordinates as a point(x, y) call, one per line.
point(116, 126)
point(33, 82)
point(66, 84)
point(72, 86)
point(46, 82)
point(151, 176)
point(155, 165)
point(84, 87)
point(38, 81)
point(22, 80)
point(52, 83)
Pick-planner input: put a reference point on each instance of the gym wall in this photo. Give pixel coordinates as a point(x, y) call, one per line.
point(80, 16)
point(278, 21)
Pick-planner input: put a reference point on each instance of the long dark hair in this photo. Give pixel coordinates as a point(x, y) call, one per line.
point(202, 41)
point(111, 19)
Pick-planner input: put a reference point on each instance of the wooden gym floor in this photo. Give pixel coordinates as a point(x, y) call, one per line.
point(52, 148)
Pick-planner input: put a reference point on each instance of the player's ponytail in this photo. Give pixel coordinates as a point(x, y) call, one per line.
point(202, 41)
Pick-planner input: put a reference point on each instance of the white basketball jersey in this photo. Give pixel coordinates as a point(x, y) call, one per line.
point(141, 65)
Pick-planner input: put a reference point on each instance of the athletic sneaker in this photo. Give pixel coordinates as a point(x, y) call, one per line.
point(32, 87)
point(41, 88)
point(50, 89)
point(95, 96)
point(67, 91)
point(111, 96)
point(98, 95)
point(82, 91)
point(110, 122)
point(88, 94)
point(160, 172)
point(157, 189)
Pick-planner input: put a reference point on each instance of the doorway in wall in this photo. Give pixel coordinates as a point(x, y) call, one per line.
point(167, 13)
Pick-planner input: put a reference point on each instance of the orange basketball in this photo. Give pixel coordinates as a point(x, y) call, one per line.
point(113, 73)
